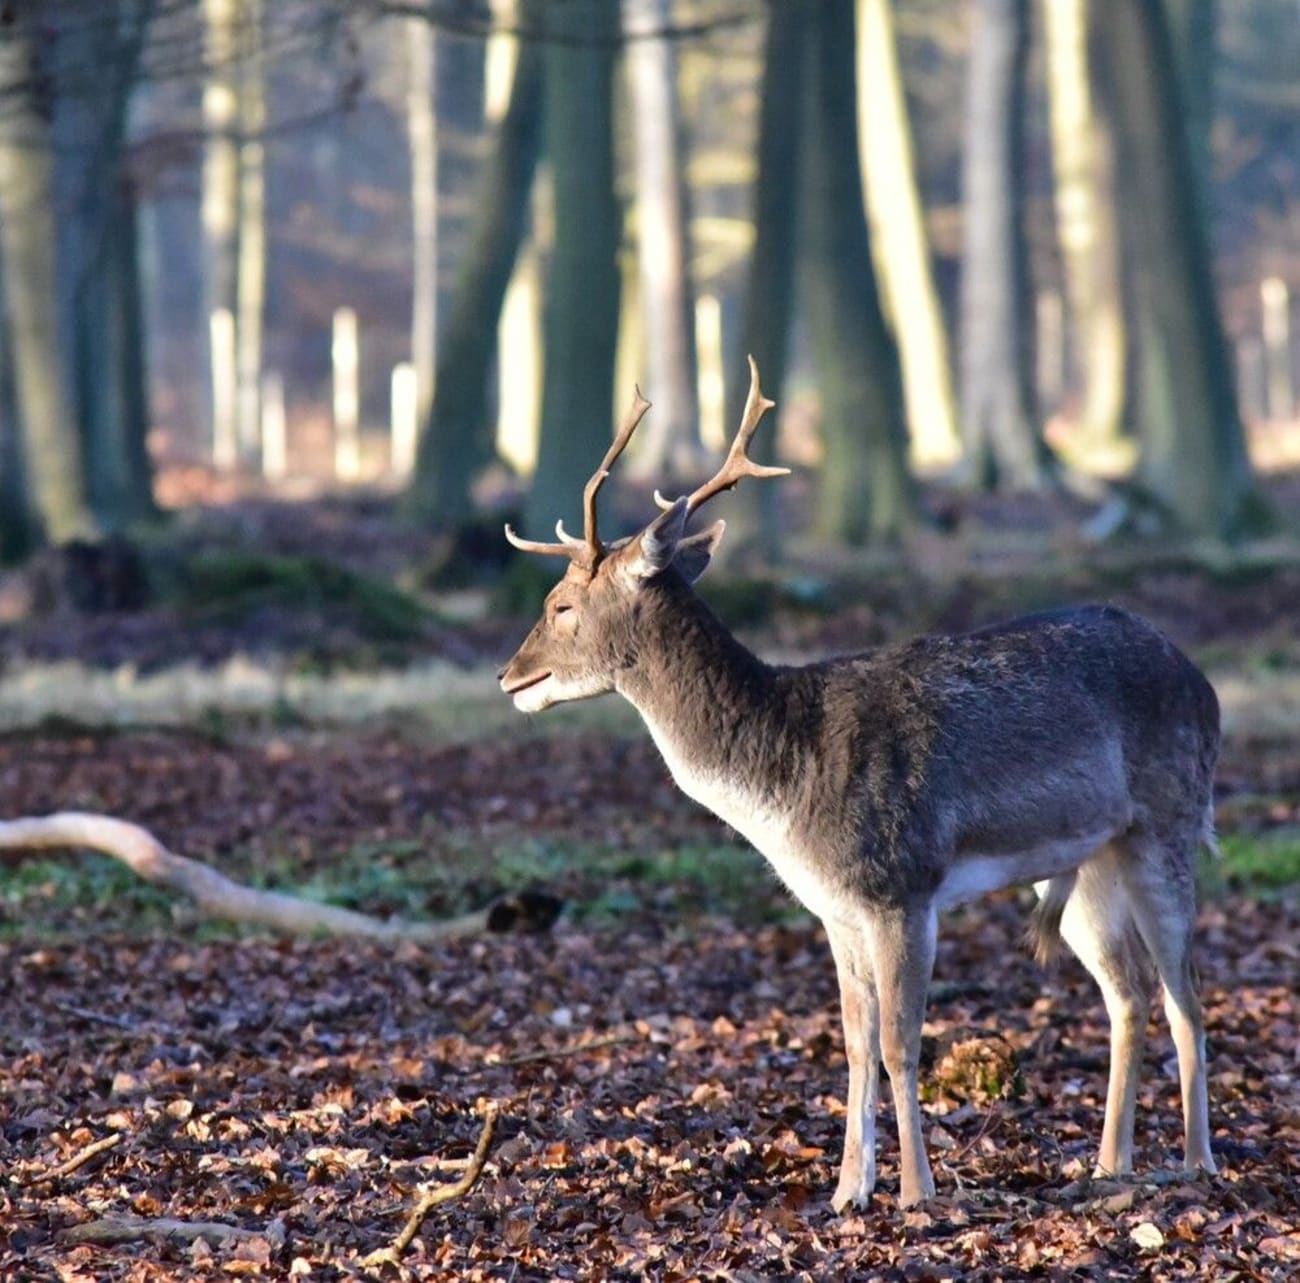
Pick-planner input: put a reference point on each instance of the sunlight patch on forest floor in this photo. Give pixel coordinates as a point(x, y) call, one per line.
point(1260, 700)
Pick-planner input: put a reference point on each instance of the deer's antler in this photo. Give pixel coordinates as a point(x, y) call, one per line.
point(737, 464)
point(589, 550)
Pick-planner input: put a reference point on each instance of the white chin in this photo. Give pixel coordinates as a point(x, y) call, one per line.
point(533, 699)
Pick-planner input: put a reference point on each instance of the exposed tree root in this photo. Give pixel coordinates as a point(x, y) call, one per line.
point(216, 896)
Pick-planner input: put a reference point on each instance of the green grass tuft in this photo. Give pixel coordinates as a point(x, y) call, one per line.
point(1261, 861)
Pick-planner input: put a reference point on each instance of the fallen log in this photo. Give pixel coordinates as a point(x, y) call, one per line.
point(218, 897)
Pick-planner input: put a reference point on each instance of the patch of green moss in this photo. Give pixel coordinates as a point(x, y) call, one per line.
point(1263, 861)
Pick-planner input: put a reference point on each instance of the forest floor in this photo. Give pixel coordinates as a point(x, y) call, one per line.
point(665, 1065)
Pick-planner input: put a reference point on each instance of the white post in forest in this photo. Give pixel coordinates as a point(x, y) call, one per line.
point(225, 439)
point(1276, 300)
point(405, 420)
point(712, 377)
point(347, 439)
point(422, 128)
point(275, 454)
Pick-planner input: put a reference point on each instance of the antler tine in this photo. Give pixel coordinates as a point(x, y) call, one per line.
point(737, 464)
point(635, 413)
point(546, 549)
point(568, 540)
point(588, 550)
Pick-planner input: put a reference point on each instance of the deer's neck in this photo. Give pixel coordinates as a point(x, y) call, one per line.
point(716, 711)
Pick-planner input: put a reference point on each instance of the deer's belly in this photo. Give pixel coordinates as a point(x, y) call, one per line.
point(974, 874)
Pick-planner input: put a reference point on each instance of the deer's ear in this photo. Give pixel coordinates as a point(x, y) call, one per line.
point(652, 551)
point(696, 551)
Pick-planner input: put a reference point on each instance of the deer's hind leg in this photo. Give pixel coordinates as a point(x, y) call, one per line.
point(1098, 926)
point(1162, 894)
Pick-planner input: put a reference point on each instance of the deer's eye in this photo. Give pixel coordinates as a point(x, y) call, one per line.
point(563, 609)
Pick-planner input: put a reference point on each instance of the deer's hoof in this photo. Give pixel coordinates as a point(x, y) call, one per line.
point(914, 1196)
point(852, 1194)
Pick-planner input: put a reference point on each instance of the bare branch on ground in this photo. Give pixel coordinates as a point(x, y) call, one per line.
point(79, 1159)
point(431, 1198)
point(130, 1229)
point(214, 894)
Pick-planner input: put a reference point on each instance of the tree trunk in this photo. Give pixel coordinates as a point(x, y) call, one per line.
point(999, 408)
point(221, 214)
point(769, 298)
point(422, 138)
point(98, 267)
point(1193, 459)
point(439, 491)
point(1083, 168)
point(27, 248)
point(251, 235)
point(667, 299)
point(865, 490)
point(15, 519)
point(580, 322)
point(901, 247)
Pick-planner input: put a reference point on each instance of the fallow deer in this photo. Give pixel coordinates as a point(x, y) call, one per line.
point(1075, 749)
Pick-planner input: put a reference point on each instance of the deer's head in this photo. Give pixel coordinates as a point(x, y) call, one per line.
point(588, 629)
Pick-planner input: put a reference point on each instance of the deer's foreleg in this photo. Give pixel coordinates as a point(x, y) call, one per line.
point(903, 958)
point(861, 1013)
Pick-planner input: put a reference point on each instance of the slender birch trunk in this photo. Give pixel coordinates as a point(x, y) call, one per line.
point(422, 140)
point(251, 237)
point(220, 214)
point(999, 409)
point(900, 246)
point(667, 299)
point(1084, 189)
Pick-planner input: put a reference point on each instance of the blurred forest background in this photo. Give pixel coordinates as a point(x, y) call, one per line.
point(280, 247)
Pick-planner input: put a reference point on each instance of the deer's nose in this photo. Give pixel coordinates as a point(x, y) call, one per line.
point(502, 672)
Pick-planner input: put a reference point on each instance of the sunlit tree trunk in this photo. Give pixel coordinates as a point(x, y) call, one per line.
point(1193, 459)
point(50, 442)
point(440, 486)
point(900, 245)
point(1083, 167)
point(670, 437)
point(580, 321)
point(221, 211)
point(999, 410)
point(865, 490)
point(422, 140)
point(769, 293)
point(251, 238)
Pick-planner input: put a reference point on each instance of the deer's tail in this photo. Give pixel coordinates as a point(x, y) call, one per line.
point(1044, 933)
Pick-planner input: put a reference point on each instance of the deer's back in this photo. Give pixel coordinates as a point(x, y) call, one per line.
point(1043, 731)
